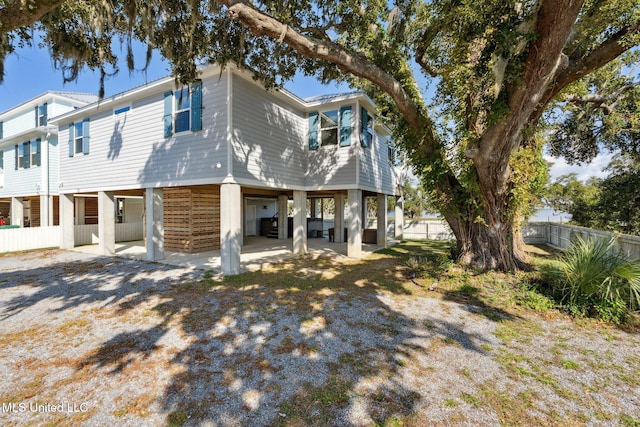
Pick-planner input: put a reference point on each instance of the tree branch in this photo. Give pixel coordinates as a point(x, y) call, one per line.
point(261, 24)
point(602, 101)
point(22, 13)
point(606, 52)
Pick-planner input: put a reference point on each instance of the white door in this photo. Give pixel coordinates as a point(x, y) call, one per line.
point(250, 220)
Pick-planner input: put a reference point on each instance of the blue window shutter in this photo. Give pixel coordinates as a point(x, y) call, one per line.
point(196, 106)
point(38, 151)
point(71, 140)
point(168, 113)
point(45, 113)
point(313, 130)
point(36, 116)
point(17, 157)
point(1, 131)
point(85, 136)
point(345, 126)
point(364, 122)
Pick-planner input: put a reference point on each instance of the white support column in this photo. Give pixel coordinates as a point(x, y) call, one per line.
point(17, 211)
point(338, 223)
point(80, 210)
point(106, 222)
point(399, 217)
point(154, 223)
point(354, 233)
point(45, 210)
point(283, 214)
point(382, 219)
point(67, 232)
point(300, 222)
point(230, 228)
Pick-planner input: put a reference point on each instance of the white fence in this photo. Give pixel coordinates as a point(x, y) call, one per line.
point(554, 234)
point(27, 238)
point(23, 239)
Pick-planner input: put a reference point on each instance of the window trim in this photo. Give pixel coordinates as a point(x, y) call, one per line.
point(41, 117)
point(122, 111)
point(336, 127)
point(74, 139)
point(177, 111)
point(195, 109)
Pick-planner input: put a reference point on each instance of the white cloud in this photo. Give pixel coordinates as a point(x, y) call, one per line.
point(583, 172)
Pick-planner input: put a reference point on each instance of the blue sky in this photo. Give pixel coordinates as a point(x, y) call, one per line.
point(30, 72)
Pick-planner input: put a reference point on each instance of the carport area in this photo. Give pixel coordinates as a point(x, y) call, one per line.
point(256, 253)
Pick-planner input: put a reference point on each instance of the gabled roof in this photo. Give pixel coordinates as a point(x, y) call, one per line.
point(83, 98)
point(332, 97)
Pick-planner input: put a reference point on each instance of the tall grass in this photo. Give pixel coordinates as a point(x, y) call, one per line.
point(593, 279)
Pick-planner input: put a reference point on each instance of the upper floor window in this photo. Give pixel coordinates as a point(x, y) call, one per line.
point(182, 116)
point(41, 115)
point(1, 160)
point(1, 130)
point(366, 129)
point(183, 109)
point(330, 127)
point(28, 154)
point(79, 137)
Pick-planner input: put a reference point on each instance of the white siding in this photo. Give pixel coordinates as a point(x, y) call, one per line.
point(22, 121)
point(59, 107)
point(132, 152)
point(268, 137)
point(21, 182)
point(375, 170)
point(333, 165)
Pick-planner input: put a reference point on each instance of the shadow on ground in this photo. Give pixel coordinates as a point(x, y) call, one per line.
point(309, 342)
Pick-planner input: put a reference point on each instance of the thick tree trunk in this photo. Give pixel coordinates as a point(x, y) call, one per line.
point(489, 246)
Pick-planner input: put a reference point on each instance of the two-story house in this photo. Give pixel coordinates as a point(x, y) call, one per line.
point(29, 158)
point(201, 155)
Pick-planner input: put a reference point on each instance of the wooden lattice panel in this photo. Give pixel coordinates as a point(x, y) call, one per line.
point(192, 219)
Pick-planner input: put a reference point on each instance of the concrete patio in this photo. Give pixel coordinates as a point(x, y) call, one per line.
point(257, 253)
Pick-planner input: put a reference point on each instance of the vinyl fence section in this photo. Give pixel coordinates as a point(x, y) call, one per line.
point(554, 234)
point(24, 239)
point(28, 238)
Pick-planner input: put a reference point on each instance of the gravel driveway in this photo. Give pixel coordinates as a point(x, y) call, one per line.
point(108, 341)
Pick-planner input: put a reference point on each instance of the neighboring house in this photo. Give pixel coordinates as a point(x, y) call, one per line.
point(212, 158)
point(29, 158)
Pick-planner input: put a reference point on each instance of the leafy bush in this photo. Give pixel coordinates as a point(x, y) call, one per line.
point(590, 278)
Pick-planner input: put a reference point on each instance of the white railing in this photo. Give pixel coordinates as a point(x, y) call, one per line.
point(126, 232)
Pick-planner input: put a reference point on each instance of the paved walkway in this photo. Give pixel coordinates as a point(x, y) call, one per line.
point(257, 253)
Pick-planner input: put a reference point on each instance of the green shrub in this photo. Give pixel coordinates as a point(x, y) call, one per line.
point(591, 279)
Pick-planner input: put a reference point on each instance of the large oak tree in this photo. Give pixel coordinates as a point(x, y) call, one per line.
point(494, 66)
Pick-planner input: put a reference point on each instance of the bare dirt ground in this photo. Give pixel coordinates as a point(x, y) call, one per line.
point(108, 341)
